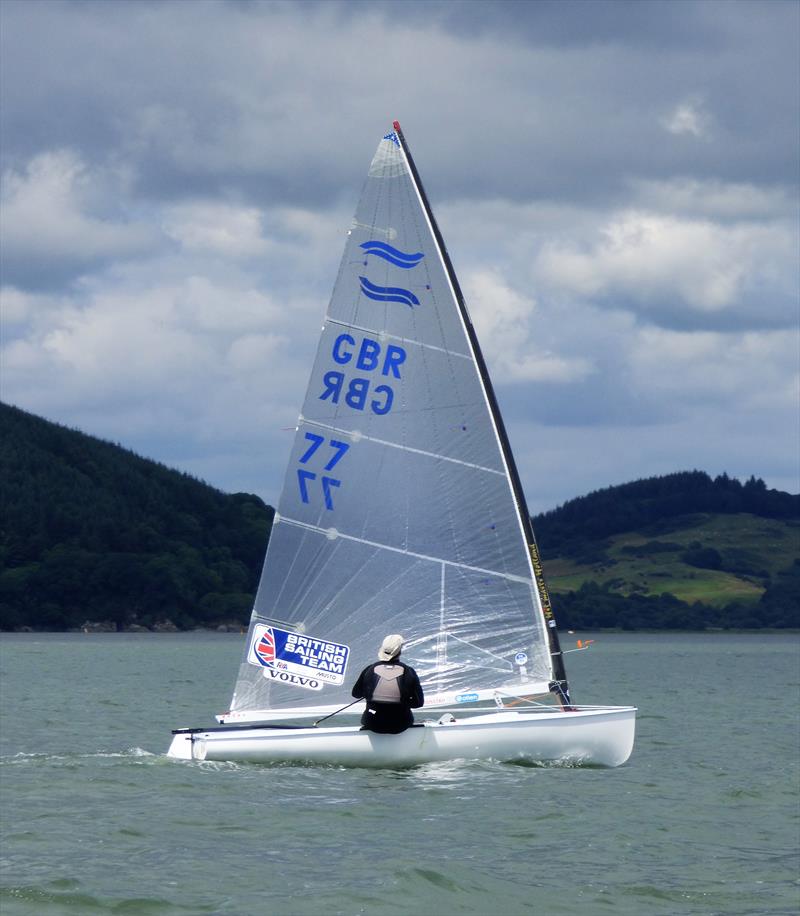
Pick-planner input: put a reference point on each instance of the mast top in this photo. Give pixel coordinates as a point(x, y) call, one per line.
point(396, 125)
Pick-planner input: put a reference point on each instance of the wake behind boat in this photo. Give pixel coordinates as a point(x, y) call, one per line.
point(402, 510)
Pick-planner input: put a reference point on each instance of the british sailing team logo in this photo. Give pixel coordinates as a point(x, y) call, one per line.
point(297, 660)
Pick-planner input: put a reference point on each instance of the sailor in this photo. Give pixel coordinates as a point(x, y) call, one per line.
point(391, 689)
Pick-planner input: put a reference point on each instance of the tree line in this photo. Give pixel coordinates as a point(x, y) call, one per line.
point(91, 532)
point(579, 524)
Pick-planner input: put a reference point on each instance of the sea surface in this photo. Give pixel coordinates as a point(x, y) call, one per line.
point(704, 818)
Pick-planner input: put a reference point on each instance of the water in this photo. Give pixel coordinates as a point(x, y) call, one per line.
point(703, 819)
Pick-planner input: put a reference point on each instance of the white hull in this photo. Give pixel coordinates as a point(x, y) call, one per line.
point(601, 735)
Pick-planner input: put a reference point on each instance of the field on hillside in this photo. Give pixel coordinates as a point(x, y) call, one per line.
point(653, 561)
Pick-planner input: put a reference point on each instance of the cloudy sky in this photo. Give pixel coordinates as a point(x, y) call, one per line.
point(616, 182)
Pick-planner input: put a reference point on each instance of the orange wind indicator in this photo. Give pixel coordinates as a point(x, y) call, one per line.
point(581, 645)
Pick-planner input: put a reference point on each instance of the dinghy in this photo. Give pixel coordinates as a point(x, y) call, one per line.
point(402, 511)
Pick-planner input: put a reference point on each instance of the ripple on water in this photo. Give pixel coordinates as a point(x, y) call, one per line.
point(63, 895)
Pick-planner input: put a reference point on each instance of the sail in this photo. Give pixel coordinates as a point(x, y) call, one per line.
point(400, 510)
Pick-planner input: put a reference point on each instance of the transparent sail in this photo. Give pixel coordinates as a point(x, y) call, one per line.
point(397, 512)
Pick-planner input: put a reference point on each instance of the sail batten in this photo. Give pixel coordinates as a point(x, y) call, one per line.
point(334, 534)
point(413, 343)
point(400, 445)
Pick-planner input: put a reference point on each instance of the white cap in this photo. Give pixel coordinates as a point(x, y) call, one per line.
point(391, 647)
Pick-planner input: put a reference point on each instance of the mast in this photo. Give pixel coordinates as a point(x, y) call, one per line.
point(559, 686)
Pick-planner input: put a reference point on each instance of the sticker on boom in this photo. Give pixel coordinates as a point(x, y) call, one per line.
point(301, 661)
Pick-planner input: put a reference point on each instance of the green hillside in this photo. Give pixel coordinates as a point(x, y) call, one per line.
point(633, 555)
point(92, 534)
point(751, 550)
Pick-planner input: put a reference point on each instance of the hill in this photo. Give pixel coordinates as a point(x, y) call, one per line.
point(95, 535)
point(683, 550)
point(91, 531)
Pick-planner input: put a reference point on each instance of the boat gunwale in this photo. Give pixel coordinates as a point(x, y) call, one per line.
point(500, 718)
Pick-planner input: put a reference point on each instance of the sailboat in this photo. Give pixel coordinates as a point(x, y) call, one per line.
point(402, 512)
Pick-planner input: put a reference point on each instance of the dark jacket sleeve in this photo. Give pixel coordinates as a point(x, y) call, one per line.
point(413, 689)
point(362, 685)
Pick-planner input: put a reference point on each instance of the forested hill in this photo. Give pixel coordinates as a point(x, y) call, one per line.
point(92, 535)
point(654, 501)
point(91, 531)
point(683, 551)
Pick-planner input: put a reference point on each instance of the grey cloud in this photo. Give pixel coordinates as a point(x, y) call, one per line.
point(278, 100)
point(756, 313)
point(58, 221)
point(724, 259)
point(580, 23)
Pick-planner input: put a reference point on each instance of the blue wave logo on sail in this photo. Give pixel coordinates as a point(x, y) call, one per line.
point(388, 293)
point(392, 135)
point(392, 255)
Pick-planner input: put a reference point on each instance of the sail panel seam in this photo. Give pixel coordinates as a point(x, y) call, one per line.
point(405, 340)
point(326, 532)
point(397, 445)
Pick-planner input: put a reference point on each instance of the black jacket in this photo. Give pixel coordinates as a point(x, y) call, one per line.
point(389, 718)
